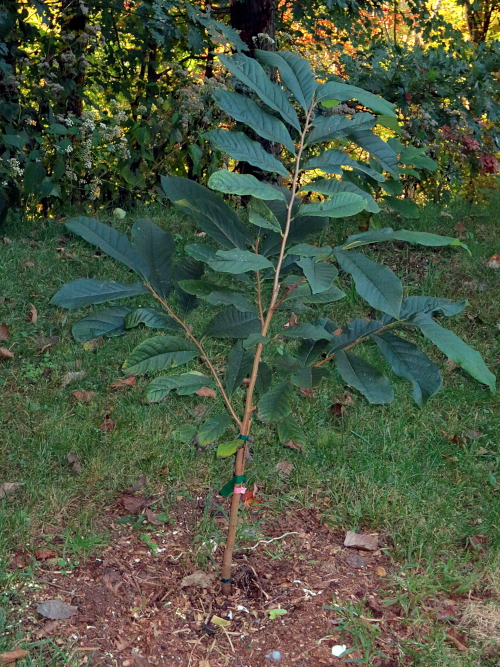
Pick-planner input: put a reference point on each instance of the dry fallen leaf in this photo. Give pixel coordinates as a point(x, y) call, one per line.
point(141, 482)
point(134, 504)
point(356, 561)
point(44, 343)
point(472, 434)
point(199, 410)
point(4, 331)
point(284, 466)
point(107, 424)
point(45, 554)
point(198, 579)
point(494, 262)
point(337, 410)
point(6, 354)
point(83, 396)
point(71, 377)
point(28, 265)
point(55, 609)
point(125, 382)
point(6, 240)
point(361, 541)
point(293, 445)
point(292, 322)
point(477, 543)
point(307, 392)
point(206, 392)
point(73, 460)
point(33, 315)
point(453, 639)
point(93, 344)
point(451, 364)
point(380, 571)
point(9, 487)
point(153, 518)
point(10, 657)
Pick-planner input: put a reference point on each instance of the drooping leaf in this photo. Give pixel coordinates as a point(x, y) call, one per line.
point(388, 234)
point(239, 301)
point(233, 183)
point(109, 240)
point(274, 406)
point(152, 318)
point(213, 429)
point(341, 205)
point(306, 250)
point(226, 449)
point(295, 72)
point(261, 215)
point(309, 331)
point(377, 148)
point(289, 430)
point(200, 252)
point(409, 362)
point(431, 305)
point(320, 275)
point(187, 269)
point(109, 322)
point(455, 349)
point(239, 261)
point(239, 365)
point(375, 283)
point(329, 128)
point(333, 90)
point(160, 353)
point(411, 155)
point(264, 378)
point(157, 249)
point(231, 323)
point(86, 291)
point(238, 146)
point(186, 384)
point(405, 207)
point(309, 350)
point(245, 110)
point(309, 377)
point(201, 288)
point(249, 72)
point(364, 377)
point(255, 339)
point(332, 161)
point(332, 186)
point(211, 212)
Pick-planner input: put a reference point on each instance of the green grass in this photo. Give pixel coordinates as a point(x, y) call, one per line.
point(387, 468)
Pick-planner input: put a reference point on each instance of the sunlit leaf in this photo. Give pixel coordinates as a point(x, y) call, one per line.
point(238, 146)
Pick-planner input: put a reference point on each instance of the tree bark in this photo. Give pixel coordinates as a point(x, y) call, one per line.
point(256, 21)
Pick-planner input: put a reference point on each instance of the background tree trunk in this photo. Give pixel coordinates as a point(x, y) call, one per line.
point(256, 21)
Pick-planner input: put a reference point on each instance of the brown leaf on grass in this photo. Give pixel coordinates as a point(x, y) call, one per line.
point(475, 286)
point(153, 518)
point(28, 265)
point(206, 392)
point(107, 425)
point(472, 434)
point(4, 331)
point(9, 487)
point(71, 376)
point(198, 579)
point(451, 364)
point(199, 410)
point(83, 396)
point(361, 541)
point(477, 543)
point(56, 609)
point(134, 504)
point(32, 315)
point(6, 240)
point(45, 554)
point(455, 439)
point(124, 382)
point(141, 482)
point(292, 322)
point(337, 410)
point(453, 639)
point(494, 262)
point(93, 344)
point(43, 343)
point(460, 227)
point(285, 467)
point(10, 657)
point(355, 560)
point(6, 354)
point(73, 460)
point(307, 392)
point(293, 445)
point(380, 571)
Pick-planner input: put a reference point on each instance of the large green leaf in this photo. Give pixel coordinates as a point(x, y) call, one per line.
point(264, 378)
point(431, 305)
point(239, 301)
point(226, 449)
point(354, 332)
point(152, 318)
point(295, 73)
point(332, 161)
point(388, 234)
point(309, 377)
point(109, 240)
point(187, 269)
point(341, 92)
point(377, 148)
point(159, 353)
point(309, 350)
point(455, 349)
point(309, 331)
point(341, 205)
point(213, 429)
point(200, 252)
point(361, 375)
point(239, 365)
point(275, 404)
point(85, 292)
point(288, 430)
point(330, 128)
point(186, 384)
point(405, 207)
point(303, 294)
point(375, 283)
point(157, 249)
point(249, 72)
point(232, 183)
point(238, 146)
point(231, 323)
point(261, 215)
point(211, 212)
point(239, 261)
point(320, 275)
point(245, 110)
point(332, 186)
point(109, 322)
point(411, 155)
point(409, 362)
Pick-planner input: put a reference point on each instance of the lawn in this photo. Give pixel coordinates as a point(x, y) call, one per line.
point(427, 481)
